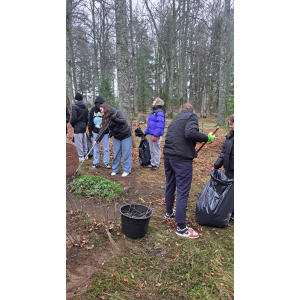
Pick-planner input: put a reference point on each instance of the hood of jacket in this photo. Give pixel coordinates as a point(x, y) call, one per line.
point(80, 104)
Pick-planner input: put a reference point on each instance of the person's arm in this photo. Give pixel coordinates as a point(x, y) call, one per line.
point(219, 162)
point(160, 117)
point(74, 116)
point(191, 130)
point(118, 118)
point(91, 124)
point(102, 131)
point(68, 115)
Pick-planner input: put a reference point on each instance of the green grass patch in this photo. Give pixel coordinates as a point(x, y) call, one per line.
point(92, 186)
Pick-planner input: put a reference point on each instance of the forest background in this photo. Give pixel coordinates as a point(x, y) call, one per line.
point(133, 51)
point(33, 65)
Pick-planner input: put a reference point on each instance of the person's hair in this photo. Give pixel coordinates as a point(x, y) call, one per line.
point(106, 114)
point(230, 119)
point(187, 106)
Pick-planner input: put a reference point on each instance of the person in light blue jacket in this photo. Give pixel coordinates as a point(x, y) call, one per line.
point(155, 129)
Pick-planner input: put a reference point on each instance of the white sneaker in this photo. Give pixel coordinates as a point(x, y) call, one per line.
point(81, 159)
point(125, 174)
point(113, 174)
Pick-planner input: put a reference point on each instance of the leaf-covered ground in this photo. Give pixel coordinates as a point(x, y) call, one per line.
point(161, 265)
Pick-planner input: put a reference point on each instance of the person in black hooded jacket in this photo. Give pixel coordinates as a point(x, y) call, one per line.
point(79, 121)
point(179, 152)
point(226, 157)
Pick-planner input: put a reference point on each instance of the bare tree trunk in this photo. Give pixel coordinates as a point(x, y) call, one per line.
point(223, 64)
point(122, 59)
point(135, 104)
point(69, 86)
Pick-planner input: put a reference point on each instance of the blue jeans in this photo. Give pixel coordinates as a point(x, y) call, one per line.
point(122, 148)
point(105, 145)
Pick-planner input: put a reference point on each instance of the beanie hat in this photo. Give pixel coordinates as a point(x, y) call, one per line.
point(78, 96)
point(99, 99)
point(159, 102)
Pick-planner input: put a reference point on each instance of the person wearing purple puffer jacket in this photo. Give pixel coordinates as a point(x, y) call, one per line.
point(155, 129)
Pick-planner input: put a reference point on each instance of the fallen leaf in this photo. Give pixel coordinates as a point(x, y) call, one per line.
point(142, 269)
point(126, 279)
point(78, 288)
point(118, 233)
point(212, 274)
point(141, 284)
point(203, 283)
point(138, 295)
point(102, 298)
point(216, 233)
point(222, 284)
point(86, 286)
point(158, 284)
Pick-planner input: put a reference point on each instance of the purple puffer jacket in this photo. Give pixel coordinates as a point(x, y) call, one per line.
point(156, 122)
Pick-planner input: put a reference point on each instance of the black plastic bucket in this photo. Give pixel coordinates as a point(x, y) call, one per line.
point(135, 219)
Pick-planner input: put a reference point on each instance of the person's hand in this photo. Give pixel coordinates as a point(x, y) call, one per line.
point(212, 168)
point(95, 143)
point(210, 137)
point(154, 139)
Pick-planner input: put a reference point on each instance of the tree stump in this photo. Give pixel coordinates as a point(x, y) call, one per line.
point(72, 158)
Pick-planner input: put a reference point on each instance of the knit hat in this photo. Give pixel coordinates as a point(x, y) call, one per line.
point(99, 99)
point(159, 102)
point(78, 96)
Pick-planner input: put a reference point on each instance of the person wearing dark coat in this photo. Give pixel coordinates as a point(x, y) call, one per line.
point(119, 129)
point(95, 120)
point(68, 119)
point(79, 121)
point(155, 128)
point(226, 157)
point(179, 152)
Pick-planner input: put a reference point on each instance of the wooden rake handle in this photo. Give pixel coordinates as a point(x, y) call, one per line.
point(206, 142)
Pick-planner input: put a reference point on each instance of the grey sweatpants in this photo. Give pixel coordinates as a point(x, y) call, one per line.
point(154, 150)
point(81, 144)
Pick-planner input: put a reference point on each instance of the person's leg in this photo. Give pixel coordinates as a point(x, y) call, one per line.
point(126, 153)
point(84, 145)
point(151, 149)
point(156, 152)
point(170, 186)
point(183, 174)
point(117, 155)
point(96, 150)
point(230, 175)
point(78, 144)
point(105, 144)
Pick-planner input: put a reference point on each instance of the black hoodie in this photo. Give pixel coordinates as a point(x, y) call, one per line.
point(79, 119)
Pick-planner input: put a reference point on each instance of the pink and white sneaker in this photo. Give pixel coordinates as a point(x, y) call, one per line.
point(187, 232)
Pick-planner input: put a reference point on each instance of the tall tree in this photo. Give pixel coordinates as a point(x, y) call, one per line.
point(223, 63)
point(122, 59)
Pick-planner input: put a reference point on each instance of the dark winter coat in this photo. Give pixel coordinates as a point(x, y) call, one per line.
point(118, 127)
point(68, 118)
point(156, 122)
point(182, 135)
point(226, 157)
point(79, 119)
point(95, 119)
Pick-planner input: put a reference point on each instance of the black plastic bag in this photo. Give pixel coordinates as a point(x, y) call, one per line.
point(89, 145)
point(215, 203)
point(144, 149)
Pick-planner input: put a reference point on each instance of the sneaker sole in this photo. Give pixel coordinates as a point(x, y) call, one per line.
point(190, 237)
